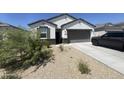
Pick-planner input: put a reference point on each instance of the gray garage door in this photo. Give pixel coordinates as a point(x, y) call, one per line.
point(78, 35)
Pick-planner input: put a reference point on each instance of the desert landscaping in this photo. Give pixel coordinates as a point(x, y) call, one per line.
point(26, 57)
point(65, 66)
point(45, 51)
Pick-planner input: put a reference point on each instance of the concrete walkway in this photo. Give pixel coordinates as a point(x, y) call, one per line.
point(110, 57)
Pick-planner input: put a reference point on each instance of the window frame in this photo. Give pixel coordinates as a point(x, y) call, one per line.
point(44, 32)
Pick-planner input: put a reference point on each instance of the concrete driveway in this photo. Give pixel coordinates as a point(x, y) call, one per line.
point(110, 57)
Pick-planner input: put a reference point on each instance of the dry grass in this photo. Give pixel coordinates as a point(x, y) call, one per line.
point(10, 76)
point(83, 68)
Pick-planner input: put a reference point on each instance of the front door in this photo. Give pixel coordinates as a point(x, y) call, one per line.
point(58, 36)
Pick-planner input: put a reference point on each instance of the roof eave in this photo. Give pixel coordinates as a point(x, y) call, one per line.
point(60, 16)
point(42, 21)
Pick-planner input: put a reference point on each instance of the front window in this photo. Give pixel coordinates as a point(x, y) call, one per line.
point(43, 32)
point(43, 35)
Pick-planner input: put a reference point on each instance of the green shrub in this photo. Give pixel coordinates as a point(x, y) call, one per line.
point(46, 43)
point(20, 51)
point(61, 47)
point(10, 76)
point(83, 68)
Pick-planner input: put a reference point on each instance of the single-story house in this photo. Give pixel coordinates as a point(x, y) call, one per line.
point(63, 28)
point(6, 26)
point(101, 29)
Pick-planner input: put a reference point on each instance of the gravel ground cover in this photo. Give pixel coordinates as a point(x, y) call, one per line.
point(65, 66)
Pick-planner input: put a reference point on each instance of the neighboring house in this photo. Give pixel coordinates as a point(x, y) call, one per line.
point(120, 25)
point(5, 27)
point(63, 28)
point(101, 29)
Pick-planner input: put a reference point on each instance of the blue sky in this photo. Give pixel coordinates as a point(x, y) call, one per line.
point(22, 19)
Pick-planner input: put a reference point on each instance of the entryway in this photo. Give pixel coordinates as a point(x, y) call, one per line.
point(58, 36)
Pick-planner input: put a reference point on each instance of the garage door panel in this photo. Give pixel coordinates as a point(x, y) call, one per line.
point(78, 35)
point(81, 40)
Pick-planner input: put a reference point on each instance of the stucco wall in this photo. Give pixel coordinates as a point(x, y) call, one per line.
point(61, 20)
point(77, 25)
point(52, 28)
point(64, 34)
